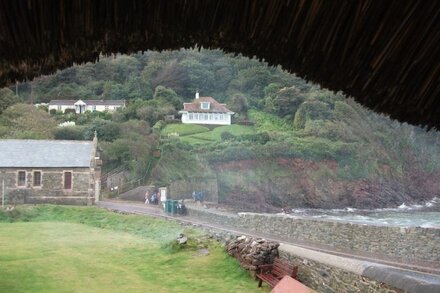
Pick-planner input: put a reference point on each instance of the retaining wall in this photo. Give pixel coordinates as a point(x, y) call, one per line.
point(414, 244)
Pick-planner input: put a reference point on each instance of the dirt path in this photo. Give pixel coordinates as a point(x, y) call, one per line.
point(156, 211)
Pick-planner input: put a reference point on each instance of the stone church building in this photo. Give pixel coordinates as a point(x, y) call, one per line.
point(49, 171)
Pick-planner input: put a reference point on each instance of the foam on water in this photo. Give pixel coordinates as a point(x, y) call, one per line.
point(419, 215)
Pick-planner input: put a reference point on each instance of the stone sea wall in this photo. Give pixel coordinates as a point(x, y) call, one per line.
point(316, 275)
point(415, 244)
point(325, 278)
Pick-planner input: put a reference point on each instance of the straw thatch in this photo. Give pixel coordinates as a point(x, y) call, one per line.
point(384, 53)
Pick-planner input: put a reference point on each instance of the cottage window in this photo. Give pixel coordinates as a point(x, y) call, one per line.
point(206, 116)
point(94, 108)
point(205, 105)
point(190, 116)
point(106, 107)
point(37, 178)
point(59, 108)
point(67, 180)
point(221, 117)
point(21, 178)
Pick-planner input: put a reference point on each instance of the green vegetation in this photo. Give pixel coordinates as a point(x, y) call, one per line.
point(215, 134)
point(55, 248)
point(277, 114)
point(183, 129)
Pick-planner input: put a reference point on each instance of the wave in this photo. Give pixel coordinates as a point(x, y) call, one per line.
point(425, 215)
point(434, 202)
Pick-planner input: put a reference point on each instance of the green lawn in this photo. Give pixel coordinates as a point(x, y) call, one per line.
point(183, 129)
point(215, 134)
point(72, 249)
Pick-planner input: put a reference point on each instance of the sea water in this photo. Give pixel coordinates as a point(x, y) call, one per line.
point(426, 215)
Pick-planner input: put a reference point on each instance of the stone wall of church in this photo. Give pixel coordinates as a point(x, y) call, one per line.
point(51, 188)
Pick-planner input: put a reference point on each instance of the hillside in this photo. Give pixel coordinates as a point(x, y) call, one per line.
point(292, 144)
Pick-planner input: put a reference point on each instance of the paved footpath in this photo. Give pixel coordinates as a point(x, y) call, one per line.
point(387, 271)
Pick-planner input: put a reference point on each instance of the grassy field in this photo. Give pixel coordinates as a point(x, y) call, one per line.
point(86, 249)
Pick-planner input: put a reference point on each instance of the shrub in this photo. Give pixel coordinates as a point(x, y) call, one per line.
point(226, 135)
point(159, 126)
point(52, 111)
point(69, 133)
point(107, 130)
point(67, 111)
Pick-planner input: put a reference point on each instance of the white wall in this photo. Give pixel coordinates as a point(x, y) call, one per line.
point(99, 108)
point(206, 118)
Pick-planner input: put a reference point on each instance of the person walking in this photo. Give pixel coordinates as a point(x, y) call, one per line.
point(147, 197)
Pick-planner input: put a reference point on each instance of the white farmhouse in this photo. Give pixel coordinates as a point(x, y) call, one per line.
point(206, 110)
point(81, 106)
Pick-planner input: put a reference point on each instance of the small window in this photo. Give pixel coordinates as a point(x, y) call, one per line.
point(59, 108)
point(206, 116)
point(67, 180)
point(21, 178)
point(94, 108)
point(190, 116)
point(37, 178)
point(106, 107)
point(205, 105)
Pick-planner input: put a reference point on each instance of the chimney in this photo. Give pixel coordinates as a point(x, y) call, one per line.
point(197, 94)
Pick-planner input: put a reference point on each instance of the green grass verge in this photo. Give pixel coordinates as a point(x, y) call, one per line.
point(183, 129)
point(86, 249)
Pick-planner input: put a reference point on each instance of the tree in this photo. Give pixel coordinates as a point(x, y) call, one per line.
point(106, 130)
point(166, 96)
point(239, 105)
point(311, 110)
point(69, 133)
point(7, 98)
point(285, 102)
point(26, 121)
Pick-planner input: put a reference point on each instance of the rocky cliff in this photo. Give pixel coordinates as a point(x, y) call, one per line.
point(269, 185)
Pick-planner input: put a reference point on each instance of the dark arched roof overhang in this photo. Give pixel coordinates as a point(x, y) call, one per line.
point(386, 54)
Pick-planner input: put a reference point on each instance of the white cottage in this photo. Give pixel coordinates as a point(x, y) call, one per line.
point(81, 106)
point(206, 110)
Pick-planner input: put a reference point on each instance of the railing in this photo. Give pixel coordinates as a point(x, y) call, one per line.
point(127, 186)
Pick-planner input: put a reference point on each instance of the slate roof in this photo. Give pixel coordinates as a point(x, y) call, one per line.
point(22, 153)
point(215, 107)
point(88, 102)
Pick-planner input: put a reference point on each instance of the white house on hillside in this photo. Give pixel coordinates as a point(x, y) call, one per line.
point(81, 106)
point(206, 110)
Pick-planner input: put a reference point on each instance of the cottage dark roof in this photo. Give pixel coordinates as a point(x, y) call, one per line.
point(22, 153)
point(383, 53)
point(215, 107)
point(89, 102)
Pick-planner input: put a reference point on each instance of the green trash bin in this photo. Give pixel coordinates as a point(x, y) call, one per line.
point(173, 204)
point(167, 206)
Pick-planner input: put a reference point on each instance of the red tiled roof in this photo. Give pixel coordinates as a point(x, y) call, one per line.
point(214, 107)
